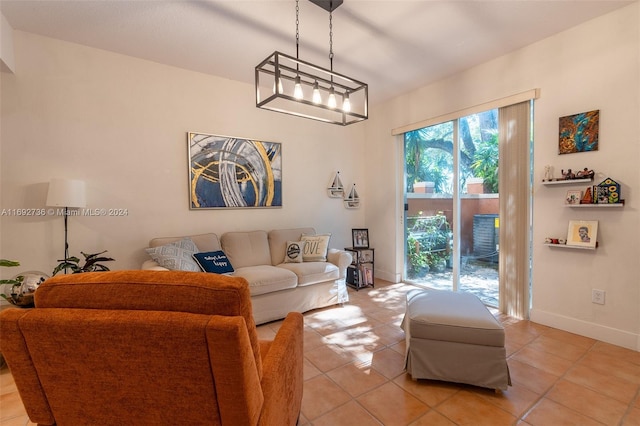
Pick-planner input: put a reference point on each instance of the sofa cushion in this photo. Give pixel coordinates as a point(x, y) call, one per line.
point(246, 248)
point(312, 272)
point(315, 247)
point(266, 278)
point(293, 253)
point(176, 256)
point(205, 242)
point(278, 241)
point(213, 261)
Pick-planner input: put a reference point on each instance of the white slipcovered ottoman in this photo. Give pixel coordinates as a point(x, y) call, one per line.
point(453, 337)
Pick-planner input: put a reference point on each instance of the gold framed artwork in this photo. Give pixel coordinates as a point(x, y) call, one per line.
point(582, 233)
point(230, 172)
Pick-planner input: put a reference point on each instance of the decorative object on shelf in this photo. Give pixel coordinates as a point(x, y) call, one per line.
point(228, 172)
point(579, 132)
point(69, 194)
point(582, 233)
point(560, 241)
point(568, 176)
point(289, 85)
point(336, 189)
point(587, 198)
point(573, 197)
point(90, 263)
point(22, 286)
point(352, 201)
point(585, 173)
point(607, 192)
point(360, 238)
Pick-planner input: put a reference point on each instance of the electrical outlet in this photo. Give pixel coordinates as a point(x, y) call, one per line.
point(597, 296)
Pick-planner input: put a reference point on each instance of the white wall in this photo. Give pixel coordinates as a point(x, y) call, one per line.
point(120, 124)
point(593, 66)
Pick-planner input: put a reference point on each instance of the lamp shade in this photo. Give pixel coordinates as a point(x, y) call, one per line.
point(66, 193)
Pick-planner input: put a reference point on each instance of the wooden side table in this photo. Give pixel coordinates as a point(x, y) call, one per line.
point(360, 272)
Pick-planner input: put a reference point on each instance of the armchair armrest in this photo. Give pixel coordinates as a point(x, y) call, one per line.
point(283, 373)
point(341, 259)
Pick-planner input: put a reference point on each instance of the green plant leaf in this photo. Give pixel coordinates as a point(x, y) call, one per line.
point(5, 262)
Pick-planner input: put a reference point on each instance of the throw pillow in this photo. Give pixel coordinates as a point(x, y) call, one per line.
point(176, 256)
point(214, 261)
point(293, 253)
point(315, 247)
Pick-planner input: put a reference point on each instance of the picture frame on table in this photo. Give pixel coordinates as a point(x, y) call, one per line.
point(582, 233)
point(360, 238)
point(573, 197)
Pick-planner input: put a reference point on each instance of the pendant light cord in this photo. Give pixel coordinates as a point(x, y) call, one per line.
point(331, 41)
point(297, 30)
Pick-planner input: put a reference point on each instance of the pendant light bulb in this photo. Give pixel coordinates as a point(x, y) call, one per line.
point(346, 104)
point(331, 102)
point(297, 88)
point(316, 93)
point(280, 88)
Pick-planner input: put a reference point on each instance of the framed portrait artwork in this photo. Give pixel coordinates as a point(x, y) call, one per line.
point(360, 238)
point(582, 233)
point(230, 172)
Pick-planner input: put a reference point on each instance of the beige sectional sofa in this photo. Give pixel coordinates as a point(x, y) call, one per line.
point(277, 288)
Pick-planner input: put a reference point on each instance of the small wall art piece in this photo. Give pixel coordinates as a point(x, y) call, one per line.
point(582, 233)
point(573, 197)
point(229, 172)
point(579, 132)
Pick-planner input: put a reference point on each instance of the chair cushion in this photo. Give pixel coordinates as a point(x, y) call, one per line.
point(293, 253)
point(278, 241)
point(213, 261)
point(315, 247)
point(179, 291)
point(452, 317)
point(205, 242)
point(266, 278)
point(176, 256)
point(312, 272)
point(246, 248)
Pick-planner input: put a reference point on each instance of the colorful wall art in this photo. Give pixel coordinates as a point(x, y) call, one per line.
point(579, 132)
point(229, 172)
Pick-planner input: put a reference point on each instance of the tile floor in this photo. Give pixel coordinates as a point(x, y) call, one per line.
point(354, 357)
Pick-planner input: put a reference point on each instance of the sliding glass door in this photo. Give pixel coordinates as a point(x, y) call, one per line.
point(452, 199)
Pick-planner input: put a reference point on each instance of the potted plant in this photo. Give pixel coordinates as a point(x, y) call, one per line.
point(90, 263)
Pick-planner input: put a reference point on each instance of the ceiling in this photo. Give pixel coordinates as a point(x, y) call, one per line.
point(392, 45)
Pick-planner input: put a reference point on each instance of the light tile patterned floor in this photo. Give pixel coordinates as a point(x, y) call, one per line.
point(354, 357)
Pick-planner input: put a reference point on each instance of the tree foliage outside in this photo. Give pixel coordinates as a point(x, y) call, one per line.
point(429, 153)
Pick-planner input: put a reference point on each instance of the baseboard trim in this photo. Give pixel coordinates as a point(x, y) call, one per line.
point(392, 278)
point(595, 331)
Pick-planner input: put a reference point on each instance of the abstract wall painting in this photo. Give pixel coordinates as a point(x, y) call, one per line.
point(229, 172)
point(579, 132)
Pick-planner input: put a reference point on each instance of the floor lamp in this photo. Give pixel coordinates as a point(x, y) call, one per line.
point(69, 194)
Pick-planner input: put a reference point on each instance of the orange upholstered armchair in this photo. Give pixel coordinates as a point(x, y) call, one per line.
point(151, 348)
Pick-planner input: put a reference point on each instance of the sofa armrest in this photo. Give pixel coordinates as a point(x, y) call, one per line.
point(341, 259)
point(152, 265)
point(283, 373)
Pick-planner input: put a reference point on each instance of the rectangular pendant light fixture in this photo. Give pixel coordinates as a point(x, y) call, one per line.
point(290, 85)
